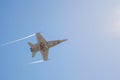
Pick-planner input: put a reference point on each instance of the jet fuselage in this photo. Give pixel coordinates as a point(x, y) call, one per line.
point(40, 46)
point(43, 46)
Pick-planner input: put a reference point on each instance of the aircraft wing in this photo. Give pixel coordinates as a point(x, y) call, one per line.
point(44, 54)
point(40, 39)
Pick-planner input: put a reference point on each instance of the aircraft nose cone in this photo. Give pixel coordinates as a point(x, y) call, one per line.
point(64, 40)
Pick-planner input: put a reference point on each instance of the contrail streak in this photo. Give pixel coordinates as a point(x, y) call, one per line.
point(11, 42)
point(37, 62)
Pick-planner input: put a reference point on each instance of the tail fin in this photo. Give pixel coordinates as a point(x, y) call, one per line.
point(33, 54)
point(31, 45)
point(32, 49)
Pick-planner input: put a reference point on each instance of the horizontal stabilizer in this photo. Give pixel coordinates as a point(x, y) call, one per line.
point(31, 45)
point(33, 54)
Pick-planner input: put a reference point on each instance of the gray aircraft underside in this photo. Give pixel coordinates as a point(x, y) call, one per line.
point(43, 46)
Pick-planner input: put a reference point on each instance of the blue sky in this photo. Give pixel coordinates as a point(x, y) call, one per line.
point(91, 53)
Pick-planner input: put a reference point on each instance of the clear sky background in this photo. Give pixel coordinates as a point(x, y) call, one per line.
point(91, 53)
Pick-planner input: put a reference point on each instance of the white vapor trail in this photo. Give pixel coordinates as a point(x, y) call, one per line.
point(37, 62)
point(11, 42)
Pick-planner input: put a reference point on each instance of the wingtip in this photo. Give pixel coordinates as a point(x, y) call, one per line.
point(38, 32)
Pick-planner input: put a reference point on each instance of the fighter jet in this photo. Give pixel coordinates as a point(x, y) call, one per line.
point(43, 46)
